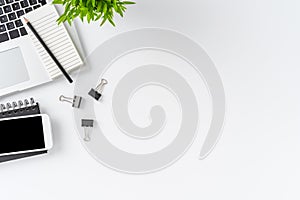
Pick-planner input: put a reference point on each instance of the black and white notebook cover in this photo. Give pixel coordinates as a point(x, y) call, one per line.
point(16, 109)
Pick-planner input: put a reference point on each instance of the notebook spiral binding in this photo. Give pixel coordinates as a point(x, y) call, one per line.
point(19, 108)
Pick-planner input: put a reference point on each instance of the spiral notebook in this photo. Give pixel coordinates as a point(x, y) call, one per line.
point(16, 109)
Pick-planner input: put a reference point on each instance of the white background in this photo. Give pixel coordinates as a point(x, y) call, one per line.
point(255, 46)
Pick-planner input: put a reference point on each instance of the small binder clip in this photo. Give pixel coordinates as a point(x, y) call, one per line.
point(86, 124)
point(76, 101)
point(97, 92)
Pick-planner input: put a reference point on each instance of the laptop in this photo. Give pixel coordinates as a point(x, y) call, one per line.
point(21, 67)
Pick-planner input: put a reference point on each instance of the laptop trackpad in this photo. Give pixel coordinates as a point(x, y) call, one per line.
point(13, 69)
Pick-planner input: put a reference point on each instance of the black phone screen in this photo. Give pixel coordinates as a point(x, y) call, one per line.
point(21, 134)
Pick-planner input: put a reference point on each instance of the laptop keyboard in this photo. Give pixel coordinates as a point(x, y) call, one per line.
point(11, 26)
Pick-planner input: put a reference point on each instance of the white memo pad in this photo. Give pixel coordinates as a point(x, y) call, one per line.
point(56, 38)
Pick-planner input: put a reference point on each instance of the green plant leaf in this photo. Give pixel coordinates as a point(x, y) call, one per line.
point(92, 10)
point(103, 21)
point(111, 21)
point(104, 8)
point(128, 2)
point(57, 2)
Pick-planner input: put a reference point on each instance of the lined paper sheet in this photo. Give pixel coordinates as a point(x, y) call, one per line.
point(56, 38)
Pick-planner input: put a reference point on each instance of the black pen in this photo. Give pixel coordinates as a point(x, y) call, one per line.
point(48, 50)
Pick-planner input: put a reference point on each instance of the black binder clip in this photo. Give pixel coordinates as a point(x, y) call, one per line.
point(86, 124)
point(97, 92)
point(76, 101)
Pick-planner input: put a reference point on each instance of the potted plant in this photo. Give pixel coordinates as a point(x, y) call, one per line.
point(92, 10)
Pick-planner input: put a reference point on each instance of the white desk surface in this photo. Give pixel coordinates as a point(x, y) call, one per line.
point(255, 46)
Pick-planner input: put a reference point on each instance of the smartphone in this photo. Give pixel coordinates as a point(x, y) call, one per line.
point(25, 134)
